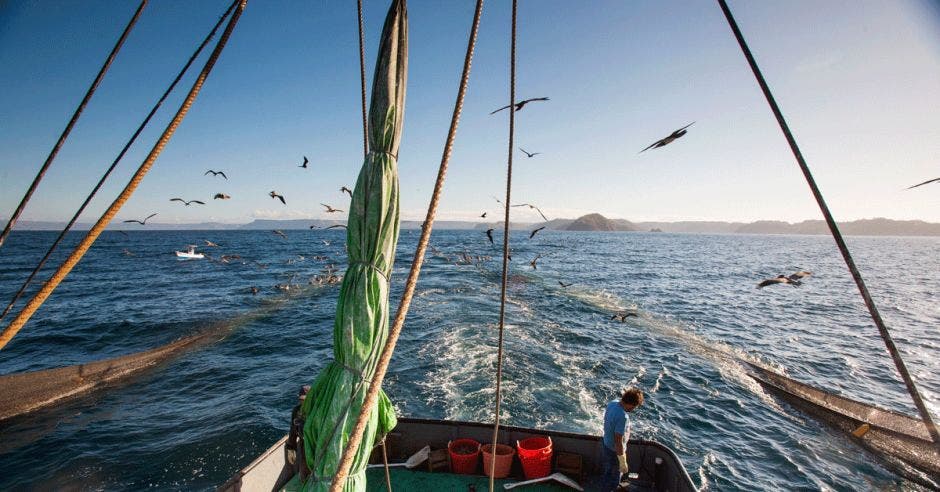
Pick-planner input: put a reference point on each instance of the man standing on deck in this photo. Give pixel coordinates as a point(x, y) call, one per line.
point(616, 436)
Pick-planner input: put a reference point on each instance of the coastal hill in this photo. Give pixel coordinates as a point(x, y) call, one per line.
point(590, 222)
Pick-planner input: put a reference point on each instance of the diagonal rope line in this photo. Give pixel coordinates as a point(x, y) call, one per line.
point(355, 438)
point(834, 229)
point(114, 164)
point(505, 279)
point(14, 327)
point(71, 123)
point(362, 79)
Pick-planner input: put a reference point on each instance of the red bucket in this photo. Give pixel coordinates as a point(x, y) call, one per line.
point(535, 453)
point(464, 456)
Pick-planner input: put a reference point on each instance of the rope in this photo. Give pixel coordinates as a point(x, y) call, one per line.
point(68, 127)
point(355, 437)
point(115, 163)
point(362, 79)
point(505, 279)
point(834, 229)
point(112, 210)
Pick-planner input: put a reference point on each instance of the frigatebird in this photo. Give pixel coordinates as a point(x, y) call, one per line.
point(668, 140)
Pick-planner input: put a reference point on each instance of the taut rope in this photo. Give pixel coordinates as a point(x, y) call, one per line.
point(505, 279)
point(368, 404)
point(112, 210)
point(834, 229)
point(362, 79)
point(68, 127)
point(115, 163)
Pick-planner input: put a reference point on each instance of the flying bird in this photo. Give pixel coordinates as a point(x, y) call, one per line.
point(779, 279)
point(925, 182)
point(216, 173)
point(519, 105)
point(532, 207)
point(210, 244)
point(346, 190)
point(668, 140)
point(184, 202)
point(221, 196)
point(564, 285)
point(529, 154)
point(337, 225)
point(279, 197)
point(304, 165)
point(535, 260)
point(330, 209)
point(489, 234)
point(622, 317)
point(800, 275)
point(279, 233)
point(141, 222)
point(536, 231)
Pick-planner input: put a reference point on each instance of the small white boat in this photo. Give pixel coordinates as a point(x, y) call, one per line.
point(190, 254)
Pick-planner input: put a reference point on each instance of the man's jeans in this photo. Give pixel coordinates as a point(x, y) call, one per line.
point(611, 477)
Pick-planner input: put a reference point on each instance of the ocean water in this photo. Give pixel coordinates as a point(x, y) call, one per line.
point(192, 422)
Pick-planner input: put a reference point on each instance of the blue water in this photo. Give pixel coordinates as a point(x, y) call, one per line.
point(194, 421)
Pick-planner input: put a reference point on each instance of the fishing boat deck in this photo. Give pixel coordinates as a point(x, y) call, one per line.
point(404, 479)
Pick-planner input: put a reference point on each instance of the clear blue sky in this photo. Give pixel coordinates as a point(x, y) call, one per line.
point(859, 82)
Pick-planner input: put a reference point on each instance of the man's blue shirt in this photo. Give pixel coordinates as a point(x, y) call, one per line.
point(616, 420)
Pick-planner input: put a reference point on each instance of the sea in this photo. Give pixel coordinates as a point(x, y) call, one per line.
point(192, 422)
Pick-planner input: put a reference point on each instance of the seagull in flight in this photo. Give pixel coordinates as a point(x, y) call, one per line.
point(337, 225)
point(280, 197)
point(330, 209)
point(184, 202)
point(622, 317)
point(221, 196)
point(532, 207)
point(215, 173)
point(489, 234)
point(779, 279)
point(535, 260)
point(280, 233)
point(536, 231)
point(564, 285)
point(306, 161)
point(529, 154)
point(925, 182)
point(346, 190)
point(668, 140)
point(210, 244)
point(519, 105)
point(141, 222)
point(483, 216)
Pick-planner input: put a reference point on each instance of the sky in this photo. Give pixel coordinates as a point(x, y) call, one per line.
point(858, 81)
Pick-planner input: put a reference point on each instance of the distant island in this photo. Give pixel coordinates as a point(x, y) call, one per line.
point(589, 222)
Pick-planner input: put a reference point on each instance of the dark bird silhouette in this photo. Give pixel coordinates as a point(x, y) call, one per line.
point(184, 202)
point(337, 225)
point(489, 234)
point(925, 182)
point(800, 275)
point(313, 227)
point(532, 207)
point(564, 285)
point(216, 173)
point(141, 222)
point(279, 197)
point(346, 190)
point(304, 165)
point(622, 317)
point(779, 279)
point(519, 105)
point(535, 232)
point(279, 233)
point(668, 140)
point(529, 154)
point(210, 244)
point(535, 260)
point(483, 216)
point(221, 196)
point(330, 209)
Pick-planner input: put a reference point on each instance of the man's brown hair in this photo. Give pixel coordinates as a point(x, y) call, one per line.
point(632, 397)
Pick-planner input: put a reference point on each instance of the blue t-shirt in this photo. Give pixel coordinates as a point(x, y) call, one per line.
point(616, 421)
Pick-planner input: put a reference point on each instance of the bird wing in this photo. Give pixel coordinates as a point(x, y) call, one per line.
point(654, 144)
point(769, 281)
point(209, 171)
point(337, 225)
point(683, 128)
point(148, 217)
point(177, 200)
point(223, 175)
point(281, 198)
point(500, 109)
point(925, 182)
point(536, 99)
point(197, 201)
point(540, 213)
point(134, 220)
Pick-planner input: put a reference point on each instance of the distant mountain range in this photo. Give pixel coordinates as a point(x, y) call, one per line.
point(590, 222)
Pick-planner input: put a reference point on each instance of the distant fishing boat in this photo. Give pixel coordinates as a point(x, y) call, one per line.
point(190, 254)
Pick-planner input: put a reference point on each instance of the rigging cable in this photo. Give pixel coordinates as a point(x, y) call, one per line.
point(362, 79)
point(11, 330)
point(355, 437)
point(834, 229)
point(71, 123)
point(505, 279)
point(114, 164)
